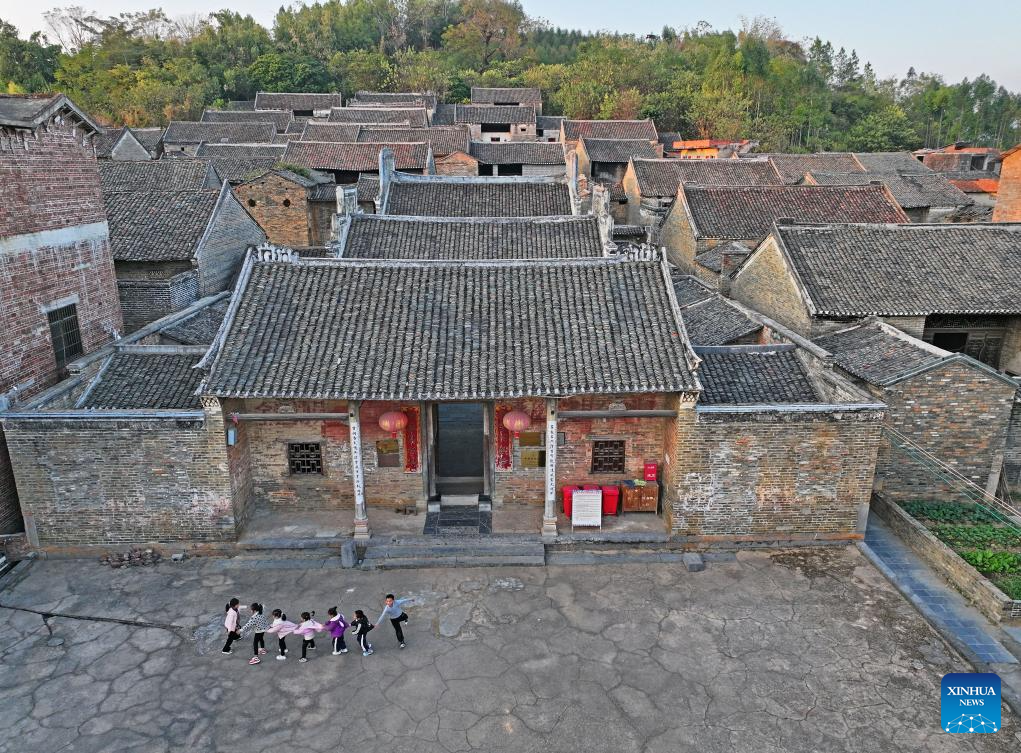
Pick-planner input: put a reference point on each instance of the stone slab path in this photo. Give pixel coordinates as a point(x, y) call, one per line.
point(801, 651)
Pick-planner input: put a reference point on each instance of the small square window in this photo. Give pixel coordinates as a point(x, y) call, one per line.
point(304, 458)
point(388, 453)
point(65, 335)
point(608, 456)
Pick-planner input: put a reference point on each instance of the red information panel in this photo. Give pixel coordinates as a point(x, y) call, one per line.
point(651, 471)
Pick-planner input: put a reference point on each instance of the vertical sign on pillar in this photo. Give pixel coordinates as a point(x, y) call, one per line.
point(549, 516)
point(357, 476)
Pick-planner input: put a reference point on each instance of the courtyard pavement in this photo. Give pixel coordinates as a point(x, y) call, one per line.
point(803, 651)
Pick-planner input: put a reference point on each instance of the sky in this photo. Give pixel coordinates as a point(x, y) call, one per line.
point(931, 35)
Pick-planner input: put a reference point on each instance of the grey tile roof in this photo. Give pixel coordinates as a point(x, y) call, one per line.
point(433, 330)
point(661, 177)
point(912, 191)
point(241, 150)
point(234, 170)
point(106, 139)
point(610, 129)
point(149, 381)
point(630, 231)
point(496, 114)
point(279, 118)
point(907, 270)
point(748, 212)
point(189, 132)
point(31, 110)
point(689, 289)
point(362, 157)
point(753, 375)
point(241, 104)
point(150, 138)
point(285, 138)
point(444, 114)
point(487, 95)
point(713, 258)
point(300, 121)
point(877, 354)
point(325, 191)
point(618, 150)
point(444, 140)
point(472, 238)
point(417, 117)
point(296, 101)
point(155, 175)
point(891, 162)
point(427, 99)
point(368, 187)
point(200, 328)
point(792, 167)
point(318, 130)
point(716, 321)
point(479, 198)
point(518, 153)
point(548, 122)
point(158, 225)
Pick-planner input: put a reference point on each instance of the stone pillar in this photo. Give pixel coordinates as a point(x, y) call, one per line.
point(549, 514)
point(357, 475)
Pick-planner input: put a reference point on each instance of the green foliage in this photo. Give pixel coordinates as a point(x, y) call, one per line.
point(141, 68)
point(989, 562)
point(982, 536)
point(948, 512)
point(1010, 585)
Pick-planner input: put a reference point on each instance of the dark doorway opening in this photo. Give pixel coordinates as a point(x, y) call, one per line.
point(460, 448)
point(955, 342)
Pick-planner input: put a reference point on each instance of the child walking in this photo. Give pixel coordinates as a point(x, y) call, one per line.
point(392, 609)
point(230, 621)
point(336, 626)
point(362, 627)
point(256, 627)
point(281, 628)
point(307, 630)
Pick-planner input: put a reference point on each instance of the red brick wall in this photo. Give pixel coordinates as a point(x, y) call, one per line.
point(1008, 196)
point(264, 199)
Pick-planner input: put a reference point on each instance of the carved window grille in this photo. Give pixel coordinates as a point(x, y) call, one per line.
point(66, 337)
point(305, 458)
point(608, 456)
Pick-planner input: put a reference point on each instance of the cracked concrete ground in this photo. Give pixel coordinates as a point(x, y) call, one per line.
point(805, 651)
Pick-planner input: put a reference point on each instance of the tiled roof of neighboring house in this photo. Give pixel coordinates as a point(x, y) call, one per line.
point(279, 118)
point(630, 232)
point(518, 153)
point(974, 181)
point(150, 138)
point(200, 328)
point(753, 375)
point(444, 140)
point(483, 114)
point(241, 150)
point(374, 236)
point(451, 330)
point(325, 191)
point(106, 139)
point(290, 175)
point(145, 381)
point(155, 175)
point(891, 162)
point(285, 138)
point(617, 192)
point(188, 132)
point(333, 155)
point(912, 191)
point(486, 95)
point(610, 129)
point(667, 138)
point(878, 353)
point(31, 110)
point(792, 167)
point(241, 104)
point(748, 212)
point(479, 198)
point(158, 225)
point(713, 258)
point(444, 114)
point(363, 98)
point(618, 150)
point(661, 177)
point(417, 117)
point(237, 169)
point(689, 289)
point(367, 187)
point(548, 122)
point(300, 121)
point(907, 270)
point(315, 252)
point(716, 321)
point(296, 101)
point(317, 130)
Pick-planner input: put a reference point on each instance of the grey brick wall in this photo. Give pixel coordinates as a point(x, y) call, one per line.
point(220, 257)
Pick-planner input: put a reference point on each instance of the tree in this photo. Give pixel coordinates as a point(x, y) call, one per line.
point(887, 130)
point(491, 30)
point(26, 65)
point(286, 72)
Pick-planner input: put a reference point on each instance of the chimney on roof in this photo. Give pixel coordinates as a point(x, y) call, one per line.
point(572, 179)
point(732, 256)
point(387, 164)
point(601, 210)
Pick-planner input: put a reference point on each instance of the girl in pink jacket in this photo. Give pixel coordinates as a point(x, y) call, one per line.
point(281, 628)
point(307, 630)
point(230, 621)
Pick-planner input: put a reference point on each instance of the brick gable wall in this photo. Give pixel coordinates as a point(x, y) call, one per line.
point(220, 257)
point(1008, 195)
point(767, 285)
point(264, 197)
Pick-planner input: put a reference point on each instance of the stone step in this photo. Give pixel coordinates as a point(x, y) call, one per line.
point(472, 548)
point(395, 563)
point(330, 543)
point(459, 500)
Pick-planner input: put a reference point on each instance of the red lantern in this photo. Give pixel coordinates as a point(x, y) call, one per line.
point(517, 421)
point(393, 421)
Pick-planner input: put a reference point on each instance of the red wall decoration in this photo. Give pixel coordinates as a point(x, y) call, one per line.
point(411, 438)
point(503, 439)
